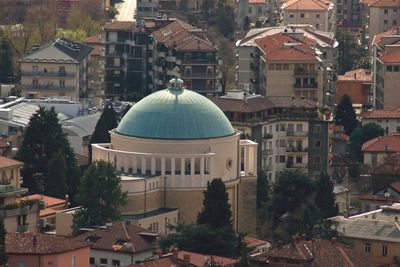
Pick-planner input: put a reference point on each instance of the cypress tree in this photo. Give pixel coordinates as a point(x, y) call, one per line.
point(345, 115)
point(324, 197)
point(3, 255)
point(216, 210)
point(56, 173)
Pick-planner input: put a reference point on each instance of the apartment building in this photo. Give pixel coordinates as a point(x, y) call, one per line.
point(96, 65)
point(126, 48)
point(386, 68)
point(183, 50)
point(256, 12)
point(56, 69)
point(288, 62)
point(358, 85)
point(376, 151)
point(349, 15)
point(382, 16)
point(318, 13)
point(287, 129)
point(388, 119)
point(374, 234)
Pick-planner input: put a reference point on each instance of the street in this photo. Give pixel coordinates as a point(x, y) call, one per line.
point(126, 10)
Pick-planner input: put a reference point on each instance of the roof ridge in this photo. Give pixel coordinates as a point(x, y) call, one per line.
point(344, 254)
point(127, 235)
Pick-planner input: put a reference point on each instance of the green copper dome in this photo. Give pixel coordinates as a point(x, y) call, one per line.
point(175, 113)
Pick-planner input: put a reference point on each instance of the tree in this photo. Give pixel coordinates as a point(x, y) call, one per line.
point(3, 255)
point(6, 62)
point(262, 189)
point(324, 197)
point(203, 239)
point(216, 210)
point(225, 18)
point(56, 173)
point(363, 63)
point(106, 122)
point(361, 135)
point(349, 51)
point(42, 139)
point(100, 195)
point(41, 22)
point(80, 21)
point(345, 115)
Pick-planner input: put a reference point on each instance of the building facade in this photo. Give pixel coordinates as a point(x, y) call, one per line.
point(56, 69)
point(170, 145)
point(183, 50)
point(388, 119)
point(96, 66)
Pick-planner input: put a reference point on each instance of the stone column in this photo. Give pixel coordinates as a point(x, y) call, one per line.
point(143, 167)
point(192, 167)
point(202, 167)
point(153, 166)
point(173, 168)
point(163, 167)
point(134, 164)
point(212, 167)
point(182, 167)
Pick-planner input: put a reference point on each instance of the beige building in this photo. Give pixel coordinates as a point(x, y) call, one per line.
point(170, 145)
point(318, 13)
point(96, 86)
point(288, 62)
point(386, 68)
point(374, 234)
point(388, 119)
point(56, 69)
point(376, 150)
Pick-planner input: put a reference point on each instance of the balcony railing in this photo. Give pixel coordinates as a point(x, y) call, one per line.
point(296, 149)
point(48, 73)
point(47, 86)
point(199, 61)
point(297, 133)
point(267, 136)
point(305, 86)
point(290, 164)
point(301, 72)
point(170, 59)
point(198, 76)
point(267, 152)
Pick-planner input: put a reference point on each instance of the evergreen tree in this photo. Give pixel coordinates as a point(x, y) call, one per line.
point(56, 173)
point(262, 189)
point(106, 122)
point(324, 197)
point(100, 195)
point(362, 134)
point(345, 115)
point(216, 210)
point(43, 138)
point(6, 62)
point(3, 255)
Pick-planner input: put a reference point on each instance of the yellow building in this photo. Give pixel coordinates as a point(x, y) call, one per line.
point(56, 69)
point(169, 146)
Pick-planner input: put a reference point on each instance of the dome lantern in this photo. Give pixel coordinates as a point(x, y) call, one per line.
point(175, 84)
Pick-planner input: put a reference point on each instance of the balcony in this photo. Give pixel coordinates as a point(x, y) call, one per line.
point(267, 168)
point(198, 76)
point(292, 165)
point(48, 74)
point(170, 59)
point(267, 136)
point(161, 54)
point(297, 133)
point(305, 86)
point(46, 87)
point(304, 72)
point(115, 41)
point(297, 149)
point(267, 152)
point(130, 42)
point(199, 61)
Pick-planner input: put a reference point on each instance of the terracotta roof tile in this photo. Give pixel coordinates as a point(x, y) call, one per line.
point(122, 237)
point(387, 143)
point(357, 75)
point(392, 113)
point(49, 201)
point(298, 5)
point(23, 243)
point(256, 1)
point(281, 47)
point(252, 242)
point(120, 25)
point(385, 3)
point(394, 32)
point(391, 57)
point(7, 162)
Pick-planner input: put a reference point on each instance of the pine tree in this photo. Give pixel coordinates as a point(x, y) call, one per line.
point(345, 115)
point(3, 255)
point(42, 139)
point(262, 189)
point(324, 197)
point(6, 63)
point(216, 210)
point(100, 195)
point(56, 173)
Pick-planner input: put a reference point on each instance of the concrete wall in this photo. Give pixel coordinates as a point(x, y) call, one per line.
point(64, 222)
point(390, 125)
point(310, 17)
point(124, 258)
point(247, 200)
point(376, 248)
point(380, 157)
point(377, 18)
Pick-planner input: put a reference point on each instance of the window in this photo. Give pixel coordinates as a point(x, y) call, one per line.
point(278, 66)
point(282, 159)
point(398, 129)
point(271, 66)
point(301, 15)
point(299, 127)
point(115, 263)
point(21, 264)
point(384, 250)
point(61, 71)
point(290, 15)
point(394, 22)
point(299, 159)
point(396, 68)
point(249, 10)
point(91, 260)
point(282, 143)
point(285, 66)
point(317, 160)
point(389, 68)
point(317, 16)
point(367, 248)
point(317, 26)
point(385, 11)
point(73, 264)
point(103, 262)
point(385, 22)
point(317, 128)
point(317, 143)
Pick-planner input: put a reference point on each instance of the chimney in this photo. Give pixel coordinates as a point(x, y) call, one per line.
point(66, 201)
point(355, 75)
point(34, 240)
point(186, 258)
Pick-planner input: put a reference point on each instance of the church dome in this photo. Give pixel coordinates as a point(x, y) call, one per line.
point(175, 113)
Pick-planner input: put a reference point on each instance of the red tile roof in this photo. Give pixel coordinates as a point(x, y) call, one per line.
point(390, 57)
point(7, 162)
point(49, 201)
point(393, 113)
point(24, 243)
point(314, 5)
point(120, 25)
point(281, 47)
point(252, 242)
point(256, 1)
point(121, 237)
point(183, 37)
point(385, 3)
point(387, 143)
point(357, 75)
point(394, 32)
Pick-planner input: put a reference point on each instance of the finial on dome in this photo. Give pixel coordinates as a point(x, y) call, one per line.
point(175, 84)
